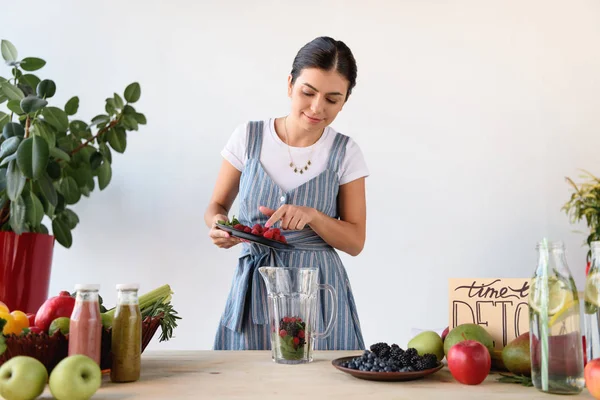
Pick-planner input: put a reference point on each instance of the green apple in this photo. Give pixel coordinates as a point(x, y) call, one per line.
point(107, 321)
point(22, 378)
point(61, 324)
point(76, 377)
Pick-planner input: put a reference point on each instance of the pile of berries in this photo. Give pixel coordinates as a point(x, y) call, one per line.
point(259, 230)
point(294, 328)
point(385, 358)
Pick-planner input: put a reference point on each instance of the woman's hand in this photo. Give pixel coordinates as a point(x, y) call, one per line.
point(292, 217)
point(219, 237)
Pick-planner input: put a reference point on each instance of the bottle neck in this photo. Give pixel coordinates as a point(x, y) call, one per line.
point(555, 258)
point(595, 260)
point(127, 297)
point(87, 295)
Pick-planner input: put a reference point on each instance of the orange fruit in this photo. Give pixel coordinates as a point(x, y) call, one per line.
point(10, 326)
point(21, 320)
point(3, 307)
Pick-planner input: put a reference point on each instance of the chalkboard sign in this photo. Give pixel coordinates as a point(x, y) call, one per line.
point(499, 305)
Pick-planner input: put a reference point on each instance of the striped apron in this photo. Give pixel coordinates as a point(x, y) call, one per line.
point(245, 322)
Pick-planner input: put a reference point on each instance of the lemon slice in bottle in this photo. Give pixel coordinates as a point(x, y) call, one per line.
point(592, 289)
point(559, 296)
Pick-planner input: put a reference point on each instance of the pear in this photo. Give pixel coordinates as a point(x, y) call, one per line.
point(468, 332)
point(428, 342)
point(516, 355)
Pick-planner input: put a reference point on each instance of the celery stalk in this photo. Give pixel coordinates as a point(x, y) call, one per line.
point(148, 300)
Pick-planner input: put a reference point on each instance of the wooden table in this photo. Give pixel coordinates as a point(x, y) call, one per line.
point(253, 375)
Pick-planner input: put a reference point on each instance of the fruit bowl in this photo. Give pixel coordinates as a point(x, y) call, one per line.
point(50, 350)
point(383, 376)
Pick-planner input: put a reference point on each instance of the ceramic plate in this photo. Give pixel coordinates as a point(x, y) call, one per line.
point(383, 376)
point(255, 238)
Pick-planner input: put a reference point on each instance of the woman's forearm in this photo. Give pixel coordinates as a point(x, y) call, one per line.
point(342, 235)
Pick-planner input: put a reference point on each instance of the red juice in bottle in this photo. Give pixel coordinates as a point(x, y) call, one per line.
point(85, 329)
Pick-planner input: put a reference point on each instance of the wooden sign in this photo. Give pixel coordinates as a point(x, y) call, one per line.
point(499, 305)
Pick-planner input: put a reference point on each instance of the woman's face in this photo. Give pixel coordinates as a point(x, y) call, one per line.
point(317, 97)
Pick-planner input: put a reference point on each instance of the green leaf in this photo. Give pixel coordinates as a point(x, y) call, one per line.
point(32, 63)
point(3, 98)
point(62, 233)
point(130, 122)
point(82, 175)
point(69, 189)
point(9, 51)
point(43, 229)
point(80, 129)
point(46, 88)
point(8, 159)
point(15, 181)
point(18, 215)
point(13, 129)
point(72, 105)
point(129, 110)
point(70, 218)
point(57, 118)
point(32, 104)
point(30, 80)
point(119, 102)
point(32, 156)
point(48, 190)
point(2, 339)
point(133, 92)
point(15, 106)
point(105, 150)
point(95, 160)
point(46, 131)
point(118, 140)
point(104, 174)
point(11, 91)
point(34, 209)
point(100, 119)
point(58, 153)
point(140, 118)
point(3, 198)
point(9, 146)
point(4, 118)
point(53, 169)
point(110, 106)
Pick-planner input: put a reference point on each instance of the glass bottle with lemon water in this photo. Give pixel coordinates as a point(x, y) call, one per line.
point(592, 305)
point(554, 324)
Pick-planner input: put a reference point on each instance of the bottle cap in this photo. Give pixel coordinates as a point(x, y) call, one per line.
point(128, 286)
point(87, 286)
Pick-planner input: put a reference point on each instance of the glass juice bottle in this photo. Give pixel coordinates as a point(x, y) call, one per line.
point(592, 305)
point(554, 324)
point(126, 343)
point(85, 327)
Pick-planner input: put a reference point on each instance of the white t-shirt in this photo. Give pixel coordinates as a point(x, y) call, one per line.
point(275, 157)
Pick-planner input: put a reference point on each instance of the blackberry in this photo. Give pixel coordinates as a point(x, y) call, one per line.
point(396, 353)
point(411, 352)
point(378, 347)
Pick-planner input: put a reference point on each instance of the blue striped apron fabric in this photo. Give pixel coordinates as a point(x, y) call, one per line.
point(245, 321)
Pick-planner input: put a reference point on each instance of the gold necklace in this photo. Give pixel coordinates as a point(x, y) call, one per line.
point(292, 164)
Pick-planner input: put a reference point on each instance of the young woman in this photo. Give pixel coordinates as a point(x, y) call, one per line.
point(297, 172)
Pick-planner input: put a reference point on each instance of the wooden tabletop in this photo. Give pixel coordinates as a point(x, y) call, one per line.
point(253, 375)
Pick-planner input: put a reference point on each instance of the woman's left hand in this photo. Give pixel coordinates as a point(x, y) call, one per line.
point(292, 217)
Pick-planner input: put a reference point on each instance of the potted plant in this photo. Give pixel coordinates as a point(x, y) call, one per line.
point(585, 204)
point(49, 159)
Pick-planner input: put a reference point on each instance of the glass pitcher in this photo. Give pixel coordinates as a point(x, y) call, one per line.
point(293, 312)
point(554, 321)
point(592, 305)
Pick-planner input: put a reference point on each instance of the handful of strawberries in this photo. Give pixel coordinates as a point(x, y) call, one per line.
point(257, 229)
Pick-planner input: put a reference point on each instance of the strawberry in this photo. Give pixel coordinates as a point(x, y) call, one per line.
point(239, 227)
point(276, 231)
point(301, 334)
point(256, 232)
point(259, 228)
point(282, 333)
point(296, 341)
point(268, 234)
point(247, 229)
point(276, 236)
point(282, 239)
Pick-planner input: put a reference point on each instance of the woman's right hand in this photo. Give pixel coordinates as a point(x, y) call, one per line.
point(219, 237)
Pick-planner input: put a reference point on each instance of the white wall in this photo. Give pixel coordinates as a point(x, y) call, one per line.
point(470, 115)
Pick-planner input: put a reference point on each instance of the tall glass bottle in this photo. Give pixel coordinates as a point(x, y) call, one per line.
point(126, 343)
point(592, 305)
point(554, 324)
point(85, 327)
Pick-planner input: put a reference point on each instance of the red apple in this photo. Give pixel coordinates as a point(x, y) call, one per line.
point(31, 319)
point(469, 362)
point(445, 333)
point(592, 377)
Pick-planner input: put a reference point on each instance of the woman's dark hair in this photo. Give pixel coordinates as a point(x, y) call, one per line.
point(327, 54)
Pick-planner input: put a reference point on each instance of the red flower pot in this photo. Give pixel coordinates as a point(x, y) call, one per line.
point(25, 264)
